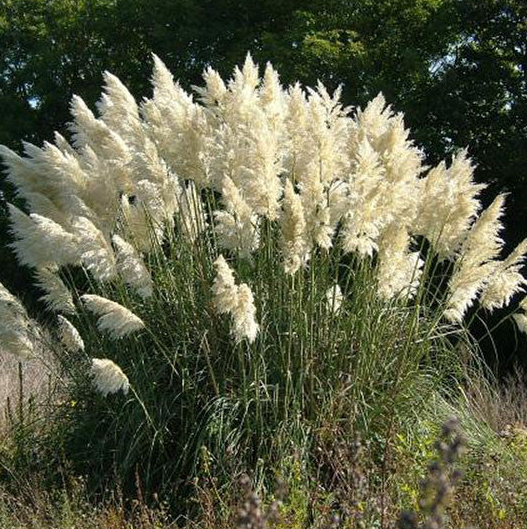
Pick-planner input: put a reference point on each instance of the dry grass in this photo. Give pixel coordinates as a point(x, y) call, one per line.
point(28, 380)
point(69, 509)
point(502, 405)
point(355, 503)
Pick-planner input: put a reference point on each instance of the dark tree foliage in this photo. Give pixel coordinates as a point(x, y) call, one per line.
point(457, 68)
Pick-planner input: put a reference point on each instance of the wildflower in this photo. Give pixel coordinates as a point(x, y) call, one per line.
point(115, 319)
point(108, 377)
point(69, 335)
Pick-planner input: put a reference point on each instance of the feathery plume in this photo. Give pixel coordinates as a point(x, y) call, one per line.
point(448, 204)
point(69, 335)
point(179, 127)
point(399, 270)
point(238, 301)
point(108, 377)
point(115, 319)
point(224, 287)
point(272, 97)
point(97, 254)
point(237, 225)
point(521, 317)
point(293, 230)
point(316, 211)
point(132, 268)
point(521, 322)
point(262, 184)
point(14, 326)
point(506, 281)
point(41, 242)
point(244, 315)
point(477, 261)
point(118, 109)
point(57, 297)
point(364, 217)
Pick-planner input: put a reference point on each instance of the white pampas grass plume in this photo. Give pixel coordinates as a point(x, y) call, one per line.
point(237, 225)
point(521, 322)
point(272, 97)
point(115, 319)
point(179, 127)
point(317, 213)
point(14, 326)
point(399, 270)
point(262, 183)
point(238, 301)
point(118, 109)
point(96, 253)
point(108, 377)
point(506, 281)
point(365, 217)
point(69, 335)
point(41, 242)
point(57, 297)
point(244, 315)
point(224, 287)
point(477, 261)
point(334, 299)
point(293, 230)
point(448, 204)
point(95, 134)
point(132, 268)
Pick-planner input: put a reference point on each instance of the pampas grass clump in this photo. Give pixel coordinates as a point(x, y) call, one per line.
point(263, 263)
